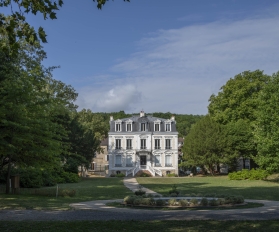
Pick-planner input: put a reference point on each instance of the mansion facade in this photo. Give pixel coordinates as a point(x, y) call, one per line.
point(143, 142)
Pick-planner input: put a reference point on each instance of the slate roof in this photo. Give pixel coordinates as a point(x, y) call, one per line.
point(137, 120)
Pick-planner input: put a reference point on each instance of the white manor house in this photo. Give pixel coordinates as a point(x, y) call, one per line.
point(143, 143)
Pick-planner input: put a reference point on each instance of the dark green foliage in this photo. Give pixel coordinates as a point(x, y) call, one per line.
point(183, 203)
point(213, 202)
point(120, 175)
point(204, 201)
point(234, 200)
point(172, 175)
point(252, 174)
point(194, 202)
point(139, 192)
point(143, 174)
point(160, 202)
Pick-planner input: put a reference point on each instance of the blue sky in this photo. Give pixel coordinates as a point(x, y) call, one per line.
point(159, 55)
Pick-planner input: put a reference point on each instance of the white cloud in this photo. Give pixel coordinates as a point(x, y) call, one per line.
point(177, 70)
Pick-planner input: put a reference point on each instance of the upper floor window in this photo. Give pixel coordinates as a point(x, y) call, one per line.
point(129, 127)
point(142, 126)
point(143, 144)
point(157, 127)
point(129, 144)
point(157, 144)
point(117, 126)
point(168, 127)
point(168, 144)
point(118, 144)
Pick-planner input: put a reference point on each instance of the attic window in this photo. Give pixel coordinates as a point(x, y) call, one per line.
point(168, 127)
point(157, 127)
point(118, 127)
point(129, 126)
point(142, 126)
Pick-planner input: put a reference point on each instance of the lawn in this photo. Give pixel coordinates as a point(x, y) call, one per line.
point(193, 226)
point(86, 190)
point(249, 189)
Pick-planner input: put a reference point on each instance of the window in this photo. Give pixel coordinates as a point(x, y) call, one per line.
point(157, 127)
point(129, 127)
point(118, 162)
point(168, 161)
point(168, 144)
point(129, 144)
point(143, 144)
point(157, 144)
point(157, 160)
point(168, 127)
point(129, 161)
point(118, 127)
point(107, 157)
point(118, 144)
point(142, 126)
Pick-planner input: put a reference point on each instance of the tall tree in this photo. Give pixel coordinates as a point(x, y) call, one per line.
point(30, 134)
point(204, 144)
point(266, 126)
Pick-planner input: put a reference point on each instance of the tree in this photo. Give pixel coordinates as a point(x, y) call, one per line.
point(238, 98)
point(16, 28)
point(239, 142)
point(266, 126)
point(204, 144)
point(29, 103)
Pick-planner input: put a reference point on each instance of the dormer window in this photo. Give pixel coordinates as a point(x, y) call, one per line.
point(142, 126)
point(118, 124)
point(157, 125)
point(168, 127)
point(118, 127)
point(129, 125)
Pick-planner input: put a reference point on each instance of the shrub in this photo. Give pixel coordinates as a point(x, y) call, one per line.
point(139, 192)
point(68, 192)
point(143, 174)
point(194, 202)
point(112, 175)
point(234, 200)
point(172, 201)
point(221, 201)
point(148, 201)
point(120, 175)
point(70, 177)
point(183, 203)
point(204, 202)
point(137, 201)
point(245, 174)
point(129, 199)
point(160, 202)
point(171, 175)
point(213, 202)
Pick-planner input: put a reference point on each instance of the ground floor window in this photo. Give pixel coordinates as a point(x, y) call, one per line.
point(129, 161)
point(168, 162)
point(157, 160)
point(118, 161)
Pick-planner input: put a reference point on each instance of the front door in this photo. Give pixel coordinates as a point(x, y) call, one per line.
point(143, 160)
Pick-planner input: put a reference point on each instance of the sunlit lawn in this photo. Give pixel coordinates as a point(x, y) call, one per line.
point(193, 226)
point(86, 190)
point(249, 189)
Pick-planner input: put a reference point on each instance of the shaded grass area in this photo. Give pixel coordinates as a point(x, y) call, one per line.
point(86, 190)
point(246, 206)
point(193, 226)
point(249, 189)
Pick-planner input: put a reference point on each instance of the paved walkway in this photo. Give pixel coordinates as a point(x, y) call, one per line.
point(132, 184)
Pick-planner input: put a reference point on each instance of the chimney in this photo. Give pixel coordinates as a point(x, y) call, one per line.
point(111, 118)
point(142, 113)
point(172, 118)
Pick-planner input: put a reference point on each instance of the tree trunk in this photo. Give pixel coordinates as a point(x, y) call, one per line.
point(8, 176)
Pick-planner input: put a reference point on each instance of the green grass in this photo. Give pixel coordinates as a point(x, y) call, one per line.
point(249, 189)
point(87, 190)
point(176, 226)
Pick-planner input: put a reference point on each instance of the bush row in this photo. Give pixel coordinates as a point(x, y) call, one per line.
point(150, 201)
point(252, 174)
